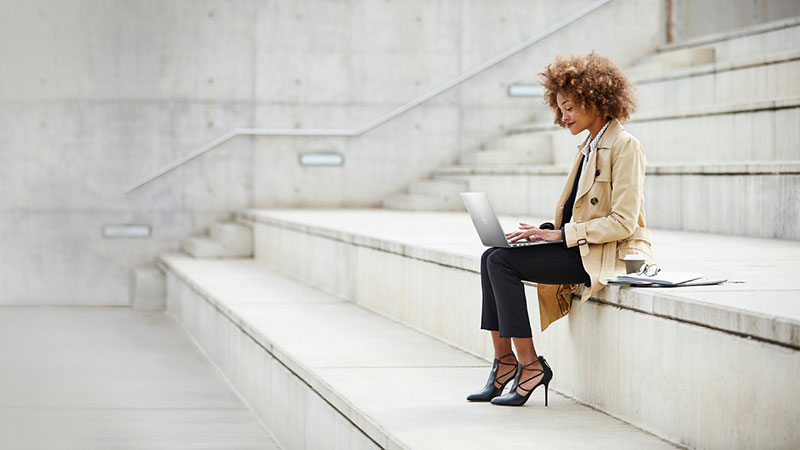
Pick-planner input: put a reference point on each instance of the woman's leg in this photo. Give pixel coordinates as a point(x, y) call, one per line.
point(527, 356)
point(551, 264)
point(489, 313)
point(502, 346)
point(526, 353)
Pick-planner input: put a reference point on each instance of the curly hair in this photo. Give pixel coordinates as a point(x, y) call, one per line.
point(591, 81)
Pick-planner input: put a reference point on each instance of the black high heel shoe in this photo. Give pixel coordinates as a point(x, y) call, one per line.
point(513, 398)
point(490, 391)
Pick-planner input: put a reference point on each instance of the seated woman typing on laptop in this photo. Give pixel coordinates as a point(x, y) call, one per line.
point(599, 215)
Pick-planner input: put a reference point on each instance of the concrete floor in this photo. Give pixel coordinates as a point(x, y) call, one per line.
point(113, 378)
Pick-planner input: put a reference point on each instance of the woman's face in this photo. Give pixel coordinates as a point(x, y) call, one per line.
point(574, 118)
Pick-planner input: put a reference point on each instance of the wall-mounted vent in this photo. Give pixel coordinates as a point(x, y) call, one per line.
point(321, 159)
point(525, 90)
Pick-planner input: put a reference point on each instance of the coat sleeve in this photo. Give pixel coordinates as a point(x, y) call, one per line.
point(627, 187)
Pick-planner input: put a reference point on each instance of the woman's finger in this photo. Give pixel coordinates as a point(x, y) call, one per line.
point(532, 236)
point(516, 236)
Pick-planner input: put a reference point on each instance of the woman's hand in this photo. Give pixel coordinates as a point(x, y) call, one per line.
point(532, 233)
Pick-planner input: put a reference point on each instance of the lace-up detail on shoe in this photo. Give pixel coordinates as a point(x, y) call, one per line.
point(538, 373)
point(500, 380)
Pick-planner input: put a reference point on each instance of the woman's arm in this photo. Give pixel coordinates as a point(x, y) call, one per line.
point(627, 187)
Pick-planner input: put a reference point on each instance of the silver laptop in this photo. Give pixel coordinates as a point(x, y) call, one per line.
point(487, 224)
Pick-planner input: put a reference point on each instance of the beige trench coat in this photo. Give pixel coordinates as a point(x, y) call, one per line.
point(608, 219)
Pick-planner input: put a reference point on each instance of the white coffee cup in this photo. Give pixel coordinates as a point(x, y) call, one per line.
point(634, 262)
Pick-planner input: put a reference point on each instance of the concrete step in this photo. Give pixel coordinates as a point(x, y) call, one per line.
point(543, 155)
point(722, 48)
point(202, 247)
point(684, 363)
point(524, 148)
point(421, 202)
point(721, 168)
point(224, 240)
point(753, 80)
point(743, 199)
point(323, 372)
point(754, 131)
point(777, 36)
point(448, 190)
point(230, 233)
point(676, 60)
point(430, 195)
point(236, 238)
point(518, 142)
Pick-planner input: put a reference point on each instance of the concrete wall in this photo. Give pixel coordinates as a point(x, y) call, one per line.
point(95, 94)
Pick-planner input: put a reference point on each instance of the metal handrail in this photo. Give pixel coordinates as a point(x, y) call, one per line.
point(377, 121)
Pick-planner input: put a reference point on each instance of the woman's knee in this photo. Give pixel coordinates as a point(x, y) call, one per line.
point(485, 256)
point(497, 257)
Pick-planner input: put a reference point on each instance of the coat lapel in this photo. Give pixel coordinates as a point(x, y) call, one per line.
point(587, 179)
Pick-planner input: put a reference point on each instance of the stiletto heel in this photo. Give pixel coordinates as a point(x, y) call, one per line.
point(490, 391)
point(514, 398)
point(545, 393)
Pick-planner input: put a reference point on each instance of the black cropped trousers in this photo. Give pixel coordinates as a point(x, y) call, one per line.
point(502, 272)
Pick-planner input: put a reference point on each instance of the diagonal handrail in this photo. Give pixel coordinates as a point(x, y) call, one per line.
point(377, 121)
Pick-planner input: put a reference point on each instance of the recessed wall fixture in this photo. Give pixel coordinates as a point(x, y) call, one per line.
point(321, 159)
point(525, 90)
point(126, 231)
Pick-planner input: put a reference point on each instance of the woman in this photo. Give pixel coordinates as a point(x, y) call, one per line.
point(599, 216)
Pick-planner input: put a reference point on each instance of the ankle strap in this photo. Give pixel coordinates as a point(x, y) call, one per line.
point(500, 360)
